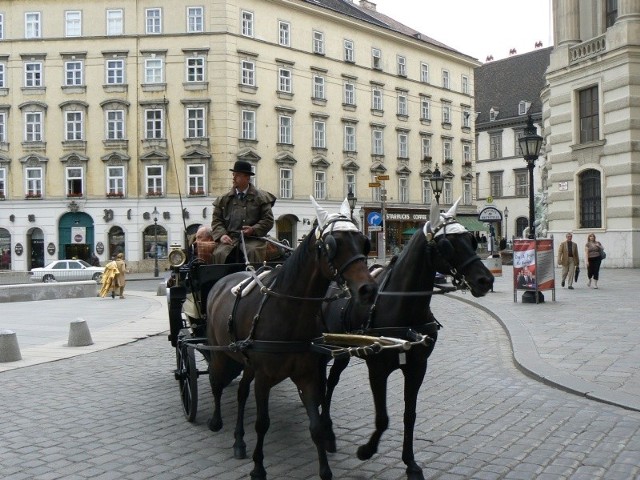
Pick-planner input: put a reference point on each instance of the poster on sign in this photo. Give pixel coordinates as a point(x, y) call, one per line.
point(78, 234)
point(533, 264)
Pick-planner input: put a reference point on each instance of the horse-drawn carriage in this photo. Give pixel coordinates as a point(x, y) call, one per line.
point(270, 322)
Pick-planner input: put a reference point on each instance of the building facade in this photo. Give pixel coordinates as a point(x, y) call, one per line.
point(118, 125)
point(591, 109)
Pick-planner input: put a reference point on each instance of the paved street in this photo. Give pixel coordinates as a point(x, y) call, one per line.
point(116, 414)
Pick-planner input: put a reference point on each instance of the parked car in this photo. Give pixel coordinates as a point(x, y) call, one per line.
point(66, 271)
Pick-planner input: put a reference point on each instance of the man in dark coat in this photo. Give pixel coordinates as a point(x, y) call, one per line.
point(243, 209)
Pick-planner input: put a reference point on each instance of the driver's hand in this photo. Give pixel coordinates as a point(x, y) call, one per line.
point(226, 239)
point(248, 231)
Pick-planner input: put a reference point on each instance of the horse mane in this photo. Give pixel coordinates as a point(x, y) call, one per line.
point(289, 273)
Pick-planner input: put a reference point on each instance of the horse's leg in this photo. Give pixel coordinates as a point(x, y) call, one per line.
point(222, 370)
point(339, 364)
point(413, 377)
point(262, 389)
point(312, 393)
point(378, 381)
point(239, 447)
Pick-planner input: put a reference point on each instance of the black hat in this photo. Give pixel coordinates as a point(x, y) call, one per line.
point(242, 167)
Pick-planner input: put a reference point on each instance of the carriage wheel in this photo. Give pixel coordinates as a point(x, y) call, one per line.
point(187, 376)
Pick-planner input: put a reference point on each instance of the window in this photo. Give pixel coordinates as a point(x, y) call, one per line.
point(285, 134)
point(611, 13)
point(196, 177)
point(115, 124)
point(248, 73)
point(247, 23)
point(426, 147)
point(589, 115)
point(426, 191)
point(493, 114)
point(466, 118)
point(466, 154)
point(196, 123)
point(3, 182)
point(522, 184)
point(33, 187)
point(349, 138)
point(377, 140)
point(115, 22)
point(286, 183)
point(32, 27)
point(3, 127)
point(73, 23)
point(248, 125)
point(319, 134)
point(376, 98)
point(154, 241)
point(153, 70)
point(33, 74)
point(115, 181)
point(33, 127)
point(495, 145)
point(350, 182)
point(425, 109)
point(73, 126)
point(466, 89)
point(195, 19)
point(154, 175)
point(154, 124)
point(74, 182)
point(466, 193)
point(318, 42)
point(446, 83)
point(447, 153)
point(349, 93)
point(284, 34)
point(403, 145)
point(402, 66)
point(195, 69)
point(349, 53)
point(424, 72)
point(403, 108)
point(523, 107)
point(403, 190)
point(318, 87)
point(376, 58)
point(1, 26)
point(73, 73)
point(153, 22)
point(284, 80)
point(496, 184)
point(446, 113)
point(115, 71)
point(447, 191)
point(3, 77)
point(320, 185)
point(590, 199)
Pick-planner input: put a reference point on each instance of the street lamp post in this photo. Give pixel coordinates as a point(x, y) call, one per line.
point(155, 213)
point(530, 144)
point(437, 183)
point(352, 199)
point(506, 223)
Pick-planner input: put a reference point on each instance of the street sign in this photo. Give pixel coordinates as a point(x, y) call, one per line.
point(374, 218)
point(490, 214)
point(375, 228)
point(380, 178)
point(374, 184)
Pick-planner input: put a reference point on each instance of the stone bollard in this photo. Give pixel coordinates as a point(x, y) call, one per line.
point(162, 289)
point(9, 349)
point(79, 335)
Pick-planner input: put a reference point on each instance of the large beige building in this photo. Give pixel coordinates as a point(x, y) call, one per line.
point(113, 118)
point(590, 110)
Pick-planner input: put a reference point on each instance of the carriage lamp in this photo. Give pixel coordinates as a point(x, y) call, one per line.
point(155, 214)
point(530, 144)
point(177, 256)
point(437, 183)
point(352, 199)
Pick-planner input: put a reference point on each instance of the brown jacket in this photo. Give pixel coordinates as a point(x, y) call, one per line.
point(563, 254)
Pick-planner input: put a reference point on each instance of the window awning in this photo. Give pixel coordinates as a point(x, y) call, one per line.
point(472, 223)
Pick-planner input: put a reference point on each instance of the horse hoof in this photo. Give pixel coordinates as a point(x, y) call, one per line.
point(414, 473)
point(214, 425)
point(240, 453)
point(259, 475)
point(364, 453)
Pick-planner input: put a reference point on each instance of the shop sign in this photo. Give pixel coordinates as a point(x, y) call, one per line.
point(18, 249)
point(490, 214)
point(100, 248)
point(51, 248)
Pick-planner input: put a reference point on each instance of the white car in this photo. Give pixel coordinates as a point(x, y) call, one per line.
point(67, 271)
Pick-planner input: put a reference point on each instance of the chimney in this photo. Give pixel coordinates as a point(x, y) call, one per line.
point(368, 5)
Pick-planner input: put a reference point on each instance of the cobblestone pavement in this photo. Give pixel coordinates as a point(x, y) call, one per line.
point(116, 414)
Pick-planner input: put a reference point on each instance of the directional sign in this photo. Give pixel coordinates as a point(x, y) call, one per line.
point(490, 214)
point(374, 218)
point(381, 178)
point(374, 184)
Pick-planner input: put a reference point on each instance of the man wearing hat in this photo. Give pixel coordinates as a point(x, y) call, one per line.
point(243, 209)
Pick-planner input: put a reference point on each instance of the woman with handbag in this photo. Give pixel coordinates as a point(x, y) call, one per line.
point(593, 254)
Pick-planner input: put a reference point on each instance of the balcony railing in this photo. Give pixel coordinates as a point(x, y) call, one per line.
point(588, 49)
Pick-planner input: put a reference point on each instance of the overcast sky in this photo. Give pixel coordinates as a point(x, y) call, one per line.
point(477, 27)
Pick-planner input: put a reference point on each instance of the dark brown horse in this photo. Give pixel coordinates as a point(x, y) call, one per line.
point(402, 310)
point(268, 332)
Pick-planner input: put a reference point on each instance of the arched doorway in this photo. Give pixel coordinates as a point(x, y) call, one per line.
point(286, 227)
point(35, 248)
point(116, 242)
point(76, 236)
point(154, 239)
point(5, 249)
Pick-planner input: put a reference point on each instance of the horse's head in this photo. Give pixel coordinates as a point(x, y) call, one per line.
point(455, 252)
point(342, 251)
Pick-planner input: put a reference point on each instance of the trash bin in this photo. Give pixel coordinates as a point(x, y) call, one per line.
point(494, 264)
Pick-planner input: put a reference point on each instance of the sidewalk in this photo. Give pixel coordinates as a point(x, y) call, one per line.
point(585, 342)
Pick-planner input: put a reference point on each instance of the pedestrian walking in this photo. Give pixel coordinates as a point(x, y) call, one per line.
point(120, 278)
point(593, 258)
point(568, 259)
